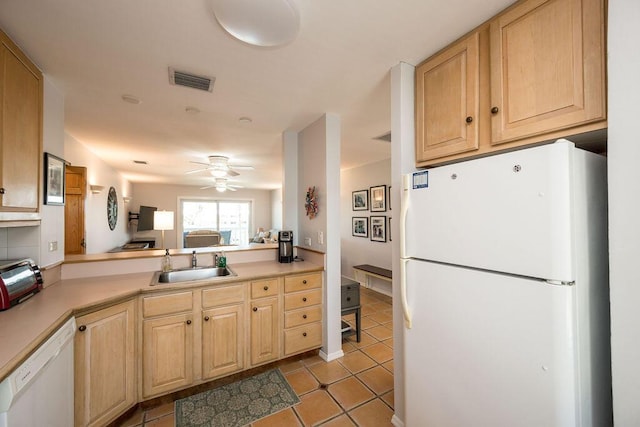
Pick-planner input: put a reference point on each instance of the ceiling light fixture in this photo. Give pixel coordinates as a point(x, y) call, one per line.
point(217, 172)
point(258, 22)
point(192, 110)
point(245, 120)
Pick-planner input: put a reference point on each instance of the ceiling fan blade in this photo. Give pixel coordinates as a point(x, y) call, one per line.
point(208, 186)
point(200, 163)
point(241, 167)
point(195, 171)
point(231, 172)
point(234, 186)
point(230, 189)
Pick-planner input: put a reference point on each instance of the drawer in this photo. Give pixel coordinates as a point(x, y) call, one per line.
point(350, 295)
point(264, 288)
point(302, 316)
point(302, 299)
point(302, 282)
point(302, 338)
point(223, 295)
point(167, 304)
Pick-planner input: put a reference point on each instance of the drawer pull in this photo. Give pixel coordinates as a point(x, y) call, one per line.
point(304, 316)
point(304, 282)
point(82, 328)
point(255, 308)
point(304, 334)
point(188, 322)
point(266, 288)
point(206, 318)
point(304, 299)
point(469, 119)
point(494, 110)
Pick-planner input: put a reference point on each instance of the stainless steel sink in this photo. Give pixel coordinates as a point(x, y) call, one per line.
point(190, 274)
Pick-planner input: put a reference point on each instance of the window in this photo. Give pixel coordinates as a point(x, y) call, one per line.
point(220, 215)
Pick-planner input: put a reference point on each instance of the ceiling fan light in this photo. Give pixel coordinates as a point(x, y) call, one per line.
point(218, 173)
point(221, 188)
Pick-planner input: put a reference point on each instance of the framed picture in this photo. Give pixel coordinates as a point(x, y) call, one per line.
point(379, 228)
point(360, 200)
point(389, 232)
point(360, 226)
point(378, 196)
point(53, 180)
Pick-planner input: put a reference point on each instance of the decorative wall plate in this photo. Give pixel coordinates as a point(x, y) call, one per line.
point(112, 208)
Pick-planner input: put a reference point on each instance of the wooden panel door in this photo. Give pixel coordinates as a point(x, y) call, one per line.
point(20, 129)
point(222, 341)
point(75, 194)
point(447, 101)
point(265, 330)
point(105, 380)
point(167, 354)
point(547, 68)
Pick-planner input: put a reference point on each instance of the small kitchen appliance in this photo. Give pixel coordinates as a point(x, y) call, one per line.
point(19, 280)
point(285, 246)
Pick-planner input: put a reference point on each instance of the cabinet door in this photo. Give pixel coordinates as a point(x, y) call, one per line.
point(105, 381)
point(167, 349)
point(447, 101)
point(265, 330)
point(547, 67)
point(20, 129)
point(222, 341)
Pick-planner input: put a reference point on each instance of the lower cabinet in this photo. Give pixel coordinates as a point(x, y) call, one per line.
point(302, 313)
point(105, 380)
point(167, 342)
point(265, 324)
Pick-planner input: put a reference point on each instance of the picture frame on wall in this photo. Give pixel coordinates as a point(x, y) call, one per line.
point(378, 198)
point(379, 228)
point(360, 226)
point(360, 200)
point(53, 180)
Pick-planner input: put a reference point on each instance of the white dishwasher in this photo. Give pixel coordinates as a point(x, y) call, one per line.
point(40, 391)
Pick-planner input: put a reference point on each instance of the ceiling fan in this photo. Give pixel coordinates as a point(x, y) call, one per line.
point(222, 184)
point(219, 167)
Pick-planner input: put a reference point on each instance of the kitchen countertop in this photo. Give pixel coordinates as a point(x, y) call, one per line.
point(25, 326)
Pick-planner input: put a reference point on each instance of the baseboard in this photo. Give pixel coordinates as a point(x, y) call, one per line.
point(397, 422)
point(333, 356)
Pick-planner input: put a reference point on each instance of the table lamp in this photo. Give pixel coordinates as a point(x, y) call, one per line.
point(163, 220)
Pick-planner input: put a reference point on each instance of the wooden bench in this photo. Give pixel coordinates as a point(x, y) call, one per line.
point(363, 272)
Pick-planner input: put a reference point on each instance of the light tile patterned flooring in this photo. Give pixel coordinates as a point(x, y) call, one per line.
point(355, 390)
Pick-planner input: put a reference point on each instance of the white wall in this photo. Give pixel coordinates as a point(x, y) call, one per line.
point(624, 206)
point(360, 250)
point(276, 209)
point(52, 225)
point(318, 159)
point(99, 237)
point(165, 197)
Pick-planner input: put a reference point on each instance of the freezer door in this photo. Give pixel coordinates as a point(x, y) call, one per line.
point(510, 212)
point(487, 349)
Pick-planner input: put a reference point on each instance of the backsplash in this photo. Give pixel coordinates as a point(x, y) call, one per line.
point(20, 242)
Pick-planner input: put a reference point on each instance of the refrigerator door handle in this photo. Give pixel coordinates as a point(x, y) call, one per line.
point(404, 208)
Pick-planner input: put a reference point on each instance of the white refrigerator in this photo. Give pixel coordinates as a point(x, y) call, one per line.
point(505, 291)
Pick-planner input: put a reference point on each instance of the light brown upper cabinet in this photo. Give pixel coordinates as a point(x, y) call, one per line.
point(447, 101)
point(535, 72)
point(20, 129)
point(547, 68)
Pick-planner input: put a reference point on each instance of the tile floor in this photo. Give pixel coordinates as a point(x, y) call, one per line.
point(355, 390)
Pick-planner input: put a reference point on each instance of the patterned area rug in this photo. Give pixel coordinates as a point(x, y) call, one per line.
point(237, 404)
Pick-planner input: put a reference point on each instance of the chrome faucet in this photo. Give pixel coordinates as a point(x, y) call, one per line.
point(194, 260)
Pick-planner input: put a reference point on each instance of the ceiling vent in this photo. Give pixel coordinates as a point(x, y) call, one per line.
point(181, 78)
point(386, 137)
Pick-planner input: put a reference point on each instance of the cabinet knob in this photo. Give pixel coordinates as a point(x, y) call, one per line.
point(82, 328)
point(1, 190)
point(304, 282)
point(304, 299)
point(304, 334)
point(494, 110)
point(304, 316)
point(255, 308)
point(188, 322)
point(469, 119)
point(206, 318)
point(266, 288)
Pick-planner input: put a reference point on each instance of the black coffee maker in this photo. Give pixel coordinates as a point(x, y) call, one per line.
point(285, 246)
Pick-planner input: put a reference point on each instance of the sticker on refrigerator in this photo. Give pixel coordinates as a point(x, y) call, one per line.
point(420, 179)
